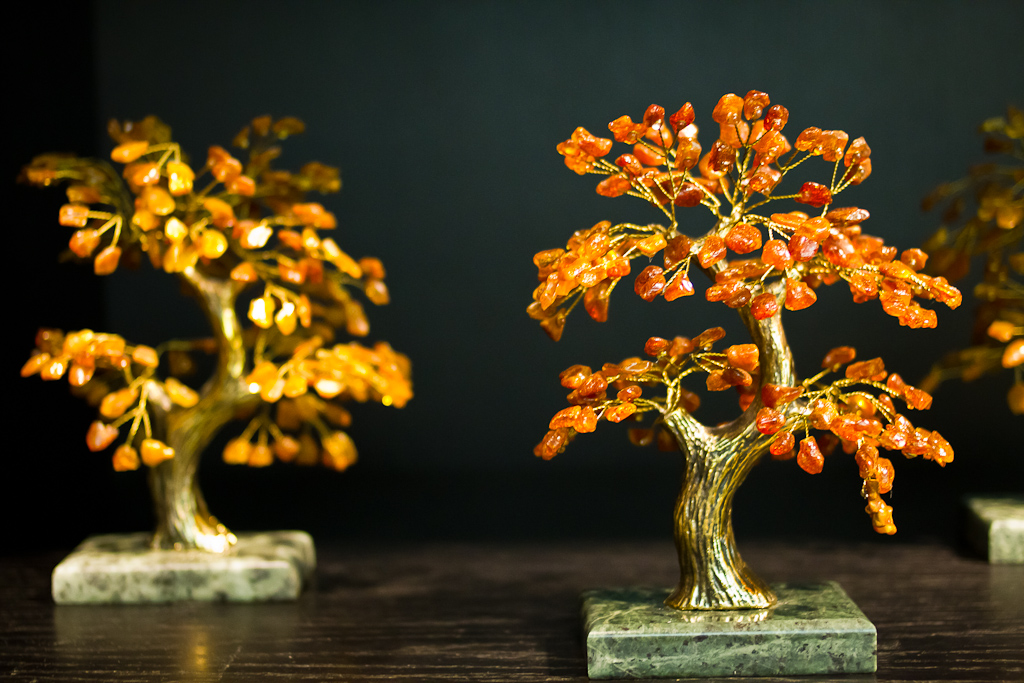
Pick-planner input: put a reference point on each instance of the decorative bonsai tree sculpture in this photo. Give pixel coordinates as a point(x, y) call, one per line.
point(242, 225)
point(993, 231)
point(735, 181)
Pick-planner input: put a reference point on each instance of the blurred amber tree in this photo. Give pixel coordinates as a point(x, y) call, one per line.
point(757, 263)
point(226, 229)
point(983, 220)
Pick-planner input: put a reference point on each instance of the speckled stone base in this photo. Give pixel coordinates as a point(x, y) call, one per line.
point(122, 568)
point(996, 527)
point(814, 629)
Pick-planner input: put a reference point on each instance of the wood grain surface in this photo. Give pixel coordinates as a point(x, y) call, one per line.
point(470, 612)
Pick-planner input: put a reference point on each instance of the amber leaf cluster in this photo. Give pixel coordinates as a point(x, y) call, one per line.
point(742, 171)
point(856, 411)
point(983, 220)
point(237, 221)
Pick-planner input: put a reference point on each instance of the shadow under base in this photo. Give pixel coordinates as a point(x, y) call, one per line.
point(814, 629)
point(122, 568)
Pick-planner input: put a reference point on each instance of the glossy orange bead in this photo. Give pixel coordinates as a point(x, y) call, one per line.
point(839, 356)
point(866, 458)
point(712, 251)
point(775, 395)
point(125, 458)
point(614, 186)
point(180, 177)
point(776, 117)
point(1013, 354)
point(809, 458)
point(743, 238)
point(682, 118)
point(728, 109)
point(679, 286)
point(764, 306)
point(885, 473)
point(115, 403)
point(237, 451)
point(815, 194)
point(782, 446)
point(84, 242)
point(776, 254)
point(649, 283)
point(769, 420)
point(744, 356)
point(858, 152)
point(73, 215)
point(100, 435)
point(798, 295)
point(106, 261)
point(145, 356)
point(624, 130)
point(867, 369)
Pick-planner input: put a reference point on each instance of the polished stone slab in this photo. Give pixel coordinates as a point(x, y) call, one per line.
point(122, 568)
point(996, 527)
point(814, 629)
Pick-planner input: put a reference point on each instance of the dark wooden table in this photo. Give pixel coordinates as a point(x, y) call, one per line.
point(493, 613)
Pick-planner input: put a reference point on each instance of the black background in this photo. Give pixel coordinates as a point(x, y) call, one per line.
point(444, 117)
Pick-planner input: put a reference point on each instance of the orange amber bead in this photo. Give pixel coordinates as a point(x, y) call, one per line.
point(649, 283)
point(859, 173)
point(1001, 330)
point(798, 295)
point(237, 451)
point(764, 306)
point(653, 347)
point(260, 456)
point(769, 420)
point(179, 178)
point(115, 403)
point(815, 194)
point(154, 452)
point(100, 435)
point(754, 103)
point(839, 356)
point(744, 356)
point(591, 144)
point(125, 458)
point(624, 130)
point(823, 413)
point(775, 395)
point(807, 139)
point(158, 201)
point(620, 412)
point(145, 356)
point(776, 117)
point(682, 118)
point(782, 446)
point(678, 286)
point(651, 245)
point(614, 186)
point(866, 458)
point(743, 238)
point(84, 242)
point(873, 369)
point(106, 261)
point(810, 458)
point(286, 449)
point(712, 251)
point(129, 151)
point(776, 254)
point(677, 250)
point(720, 160)
point(74, 215)
point(728, 109)
point(1013, 354)
point(885, 473)
point(858, 152)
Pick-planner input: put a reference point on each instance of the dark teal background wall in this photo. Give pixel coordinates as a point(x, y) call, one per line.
point(444, 117)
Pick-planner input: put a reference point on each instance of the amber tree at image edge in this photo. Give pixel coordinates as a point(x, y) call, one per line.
point(227, 230)
point(736, 179)
point(983, 220)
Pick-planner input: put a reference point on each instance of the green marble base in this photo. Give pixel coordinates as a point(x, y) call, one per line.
point(122, 568)
point(996, 527)
point(814, 629)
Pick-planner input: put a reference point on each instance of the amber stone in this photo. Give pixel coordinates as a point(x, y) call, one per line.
point(866, 458)
point(260, 456)
point(593, 385)
point(802, 248)
point(885, 473)
point(237, 451)
point(179, 178)
point(680, 347)
point(630, 392)
point(720, 160)
point(106, 261)
point(723, 291)
point(682, 118)
point(129, 151)
point(649, 283)
point(823, 413)
point(810, 458)
point(646, 155)
point(707, 337)
point(620, 412)
point(858, 152)
point(782, 446)
point(716, 381)
point(651, 245)
point(734, 135)
point(873, 369)
point(712, 251)
point(1001, 330)
point(917, 398)
point(798, 295)
point(100, 435)
point(573, 376)
point(624, 130)
point(815, 194)
point(743, 238)
point(775, 395)
point(764, 305)
point(777, 254)
point(764, 180)
point(808, 138)
point(839, 356)
point(754, 103)
point(125, 458)
point(728, 109)
point(847, 215)
point(73, 215)
point(614, 186)
point(84, 242)
point(776, 117)
point(769, 420)
point(831, 145)
point(655, 345)
point(590, 143)
point(677, 250)
point(1013, 354)
point(859, 173)
point(687, 152)
point(115, 403)
point(744, 356)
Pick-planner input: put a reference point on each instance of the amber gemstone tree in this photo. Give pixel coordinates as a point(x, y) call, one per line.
point(756, 262)
point(231, 232)
point(983, 221)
